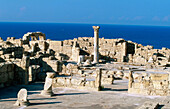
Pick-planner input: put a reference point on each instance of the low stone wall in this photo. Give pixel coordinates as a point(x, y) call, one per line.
point(80, 82)
point(107, 79)
point(51, 65)
point(77, 83)
point(6, 74)
point(154, 83)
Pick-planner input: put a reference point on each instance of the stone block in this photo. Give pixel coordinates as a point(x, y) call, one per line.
point(159, 76)
point(136, 85)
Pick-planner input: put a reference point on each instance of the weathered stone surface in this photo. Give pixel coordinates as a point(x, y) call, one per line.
point(96, 44)
point(149, 105)
point(48, 85)
point(22, 98)
point(70, 57)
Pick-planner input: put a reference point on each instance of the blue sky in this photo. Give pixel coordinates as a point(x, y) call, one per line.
point(126, 12)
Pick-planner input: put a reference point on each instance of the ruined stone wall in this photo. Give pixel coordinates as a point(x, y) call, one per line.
point(11, 53)
point(15, 42)
point(33, 72)
point(111, 48)
point(79, 82)
point(146, 54)
point(6, 74)
point(49, 65)
point(61, 47)
point(155, 83)
point(21, 69)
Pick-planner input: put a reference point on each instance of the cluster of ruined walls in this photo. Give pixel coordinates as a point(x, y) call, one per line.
point(150, 84)
point(146, 54)
point(118, 50)
point(50, 51)
point(111, 48)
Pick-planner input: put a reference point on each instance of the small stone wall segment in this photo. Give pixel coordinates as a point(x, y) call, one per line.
point(156, 83)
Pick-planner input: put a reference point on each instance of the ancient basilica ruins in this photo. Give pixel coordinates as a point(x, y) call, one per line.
point(87, 63)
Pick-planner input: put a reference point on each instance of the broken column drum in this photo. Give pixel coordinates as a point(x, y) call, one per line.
point(22, 98)
point(48, 85)
point(96, 44)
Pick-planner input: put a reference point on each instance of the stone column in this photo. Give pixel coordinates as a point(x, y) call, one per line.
point(96, 44)
point(98, 79)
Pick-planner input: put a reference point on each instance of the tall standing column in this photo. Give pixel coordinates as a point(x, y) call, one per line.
point(96, 44)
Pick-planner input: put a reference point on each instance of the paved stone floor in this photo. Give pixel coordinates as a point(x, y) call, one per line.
point(112, 97)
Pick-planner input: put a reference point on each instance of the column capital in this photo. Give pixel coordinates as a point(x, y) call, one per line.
point(96, 28)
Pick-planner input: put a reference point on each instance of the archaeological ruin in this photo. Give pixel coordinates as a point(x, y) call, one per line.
point(87, 63)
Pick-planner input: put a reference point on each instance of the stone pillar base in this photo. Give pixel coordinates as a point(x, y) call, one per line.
point(22, 103)
point(47, 93)
point(94, 63)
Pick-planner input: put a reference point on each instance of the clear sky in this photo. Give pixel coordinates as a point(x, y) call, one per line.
point(127, 12)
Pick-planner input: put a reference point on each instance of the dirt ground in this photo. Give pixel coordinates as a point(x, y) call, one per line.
point(112, 97)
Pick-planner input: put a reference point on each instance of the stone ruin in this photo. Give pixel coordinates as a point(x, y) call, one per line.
point(22, 98)
point(77, 62)
point(150, 83)
point(48, 85)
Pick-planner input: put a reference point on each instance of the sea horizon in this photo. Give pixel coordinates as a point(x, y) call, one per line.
point(157, 36)
point(89, 23)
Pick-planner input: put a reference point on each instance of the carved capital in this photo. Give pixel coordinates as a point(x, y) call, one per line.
point(96, 28)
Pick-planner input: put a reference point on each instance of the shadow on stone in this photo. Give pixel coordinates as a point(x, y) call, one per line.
point(11, 92)
point(33, 104)
point(69, 94)
point(42, 99)
point(110, 89)
point(160, 106)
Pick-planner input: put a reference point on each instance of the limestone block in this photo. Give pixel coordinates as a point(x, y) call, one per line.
point(60, 81)
point(68, 82)
point(136, 85)
point(159, 76)
point(108, 79)
point(76, 82)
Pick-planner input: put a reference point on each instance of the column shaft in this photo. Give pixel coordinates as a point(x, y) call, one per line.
point(96, 44)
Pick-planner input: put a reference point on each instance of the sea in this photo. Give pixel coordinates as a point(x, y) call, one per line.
point(157, 36)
